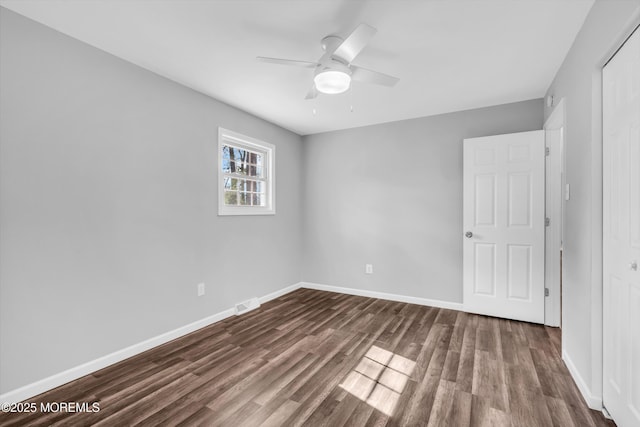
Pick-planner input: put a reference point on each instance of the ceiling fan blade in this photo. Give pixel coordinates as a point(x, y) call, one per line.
point(325, 60)
point(279, 61)
point(353, 45)
point(369, 76)
point(313, 92)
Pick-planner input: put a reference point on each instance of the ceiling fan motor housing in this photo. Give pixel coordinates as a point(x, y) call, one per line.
point(331, 43)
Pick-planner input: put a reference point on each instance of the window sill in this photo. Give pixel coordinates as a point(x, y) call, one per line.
point(245, 211)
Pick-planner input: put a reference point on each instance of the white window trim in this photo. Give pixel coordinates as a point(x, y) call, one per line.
point(226, 136)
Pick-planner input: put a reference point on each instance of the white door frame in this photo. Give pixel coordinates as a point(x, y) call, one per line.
point(554, 208)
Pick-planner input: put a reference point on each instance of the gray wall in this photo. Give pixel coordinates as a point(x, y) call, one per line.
point(108, 214)
point(391, 195)
point(579, 82)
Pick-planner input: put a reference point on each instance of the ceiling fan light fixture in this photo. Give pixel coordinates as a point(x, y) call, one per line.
point(332, 81)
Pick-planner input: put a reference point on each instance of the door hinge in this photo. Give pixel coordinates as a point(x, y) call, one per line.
point(546, 151)
point(547, 222)
point(546, 292)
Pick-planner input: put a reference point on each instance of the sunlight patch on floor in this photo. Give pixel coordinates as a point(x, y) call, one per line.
point(379, 379)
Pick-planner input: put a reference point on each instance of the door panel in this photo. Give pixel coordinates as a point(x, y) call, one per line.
point(634, 201)
point(520, 199)
point(634, 304)
point(615, 338)
point(503, 218)
point(621, 234)
point(519, 272)
point(485, 274)
point(485, 209)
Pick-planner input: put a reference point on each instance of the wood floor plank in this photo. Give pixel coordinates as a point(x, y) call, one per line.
point(278, 385)
point(451, 364)
point(153, 402)
point(422, 400)
point(231, 401)
point(277, 418)
point(342, 412)
point(559, 412)
point(529, 408)
point(315, 358)
point(175, 413)
point(442, 404)
point(464, 379)
point(483, 415)
point(460, 413)
point(489, 381)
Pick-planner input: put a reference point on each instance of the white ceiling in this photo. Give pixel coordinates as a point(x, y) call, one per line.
point(449, 55)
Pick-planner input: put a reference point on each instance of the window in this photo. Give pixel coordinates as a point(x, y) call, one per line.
point(245, 175)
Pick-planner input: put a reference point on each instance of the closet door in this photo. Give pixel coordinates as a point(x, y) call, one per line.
point(621, 234)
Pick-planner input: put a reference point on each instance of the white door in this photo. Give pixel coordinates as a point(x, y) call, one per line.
point(621, 234)
point(503, 216)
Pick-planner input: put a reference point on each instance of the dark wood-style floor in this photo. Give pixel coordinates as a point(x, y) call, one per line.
point(318, 358)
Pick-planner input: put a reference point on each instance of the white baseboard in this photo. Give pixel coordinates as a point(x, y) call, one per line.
point(593, 402)
point(383, 295)
point(46, 384)
point(279, 293)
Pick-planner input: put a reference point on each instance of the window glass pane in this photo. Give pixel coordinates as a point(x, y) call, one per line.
point(240, 161)
point(244, 199)
point(245, 185)
point(226, 166)
point(237, 154)
point(257, 199)
point(259, 167)
point(231, 183)
point(230, 198)
point(241, 168)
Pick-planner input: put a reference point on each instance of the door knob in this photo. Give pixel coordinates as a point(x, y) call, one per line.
point(633, 265)
point(468, 234)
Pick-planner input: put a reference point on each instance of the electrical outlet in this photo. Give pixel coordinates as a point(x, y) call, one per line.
point(200, 289)
point(368, 269)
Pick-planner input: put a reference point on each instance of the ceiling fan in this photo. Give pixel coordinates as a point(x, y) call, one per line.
point(334, 70)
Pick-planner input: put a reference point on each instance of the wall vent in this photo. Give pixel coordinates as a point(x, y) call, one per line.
point(246, 306)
